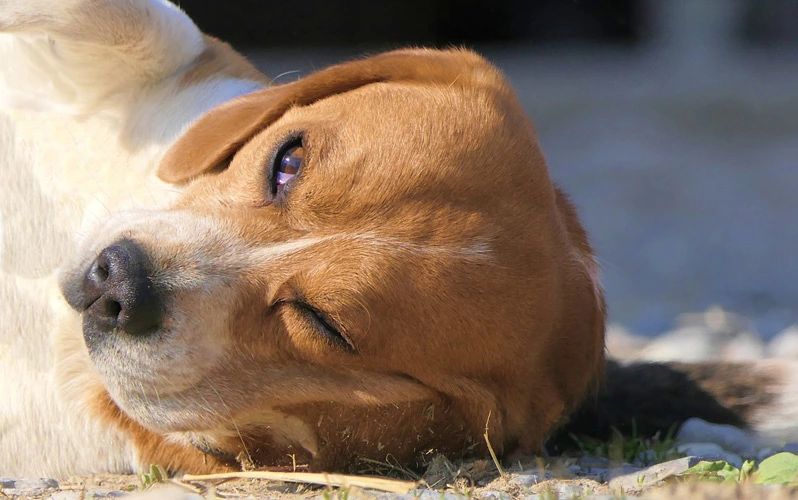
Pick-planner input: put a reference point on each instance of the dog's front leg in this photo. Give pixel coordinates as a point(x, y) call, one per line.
point(77, 55)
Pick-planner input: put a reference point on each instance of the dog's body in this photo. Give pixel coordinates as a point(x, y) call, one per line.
point(411, 279)
point(83, 130)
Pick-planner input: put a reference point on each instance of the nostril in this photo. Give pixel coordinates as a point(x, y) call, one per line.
point(100, 268)
point(108, 308)
point(98, 273)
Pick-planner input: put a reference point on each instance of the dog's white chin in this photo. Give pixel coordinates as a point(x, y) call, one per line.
point(164, 405)
point(159, 381)
point(177, 412)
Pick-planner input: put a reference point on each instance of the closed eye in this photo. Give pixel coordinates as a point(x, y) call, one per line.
point(325, 327)
point(287, 164)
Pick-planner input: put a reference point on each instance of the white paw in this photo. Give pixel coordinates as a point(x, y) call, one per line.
point(75, 53)
point(27, 15)
point(109, 22)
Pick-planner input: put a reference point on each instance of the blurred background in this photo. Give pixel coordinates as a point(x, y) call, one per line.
point(672, 123)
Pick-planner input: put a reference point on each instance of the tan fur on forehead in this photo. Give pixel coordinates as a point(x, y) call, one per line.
point(440, 140)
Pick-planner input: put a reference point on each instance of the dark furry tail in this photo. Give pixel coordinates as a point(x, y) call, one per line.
point(650, 398)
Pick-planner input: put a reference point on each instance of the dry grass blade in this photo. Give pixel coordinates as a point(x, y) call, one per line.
point(493, 453)
point(337, 480)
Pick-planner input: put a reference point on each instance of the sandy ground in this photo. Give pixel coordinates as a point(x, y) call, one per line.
point(114, 486)
point(442, 481)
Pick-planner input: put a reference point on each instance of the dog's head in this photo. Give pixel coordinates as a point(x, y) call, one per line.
point(369, 261)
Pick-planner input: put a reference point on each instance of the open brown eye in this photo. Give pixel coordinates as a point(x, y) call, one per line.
point(287, 164)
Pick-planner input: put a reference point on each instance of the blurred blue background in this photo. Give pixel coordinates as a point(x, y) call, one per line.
point(672, 123)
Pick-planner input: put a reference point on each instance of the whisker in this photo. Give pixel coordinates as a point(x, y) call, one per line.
point(230, 415)
point(274, 80)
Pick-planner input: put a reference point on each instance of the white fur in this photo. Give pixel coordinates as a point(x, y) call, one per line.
point(479, 250)
point(775, 423)
point(89, 102)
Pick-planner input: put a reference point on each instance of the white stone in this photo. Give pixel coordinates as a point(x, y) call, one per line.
point(785, 344)
point(525, 480)
point(746, 346)
point(622, 344)
point(98, 494)
point(67, 495)
point(727, 437)
point(715, 337)
point(690, 344)
point(436, 495)
point(26, 487)
point(573, 490)
point(710, 452)
point(494, 495)
point(162, 493)
point(652, 475)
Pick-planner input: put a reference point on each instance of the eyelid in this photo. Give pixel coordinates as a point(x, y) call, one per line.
point(334, 332)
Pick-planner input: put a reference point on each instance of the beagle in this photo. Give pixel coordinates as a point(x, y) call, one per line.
point(208, 272)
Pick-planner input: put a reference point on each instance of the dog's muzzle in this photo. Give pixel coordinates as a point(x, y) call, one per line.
point(116, 293)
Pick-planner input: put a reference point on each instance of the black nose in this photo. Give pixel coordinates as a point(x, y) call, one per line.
point(117, 291)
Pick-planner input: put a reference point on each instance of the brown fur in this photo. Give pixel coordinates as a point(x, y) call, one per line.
point(151, 447)
point(461, 276)
point(743, 388)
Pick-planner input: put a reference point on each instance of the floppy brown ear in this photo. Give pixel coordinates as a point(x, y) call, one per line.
point(220, 133)
point(584, 312)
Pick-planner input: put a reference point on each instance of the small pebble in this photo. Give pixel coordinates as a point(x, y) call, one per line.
point(497, 495)
point(435, 495)
point(573, 491)
point(525, 479)
point(594, 463)
point(100, 493)
point(67, 495)
point(26, 487)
